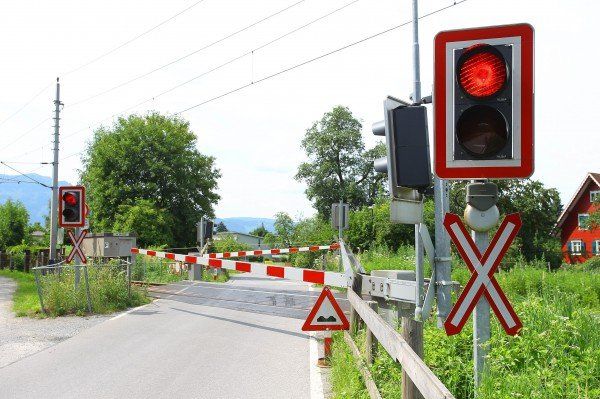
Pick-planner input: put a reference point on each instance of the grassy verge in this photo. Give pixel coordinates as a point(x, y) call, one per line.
point(108, 293)
point(555, 355)
point(25, 298)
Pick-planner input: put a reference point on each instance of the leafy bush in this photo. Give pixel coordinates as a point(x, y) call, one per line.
point(592, 264)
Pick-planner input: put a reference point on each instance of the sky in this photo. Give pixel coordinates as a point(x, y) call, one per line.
point(255, 132)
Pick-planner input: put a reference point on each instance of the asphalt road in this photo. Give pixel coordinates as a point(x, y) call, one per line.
point(236, 340)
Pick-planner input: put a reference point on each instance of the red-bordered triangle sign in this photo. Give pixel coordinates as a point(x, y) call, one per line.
point(326, 314)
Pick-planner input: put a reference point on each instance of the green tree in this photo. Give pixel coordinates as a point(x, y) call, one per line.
point(13, 223)
point(538, 205)
point(338, 166)
point(151, 224)
point(284, 228)
point(260, 231)
point(151, 157)
point(221, 228)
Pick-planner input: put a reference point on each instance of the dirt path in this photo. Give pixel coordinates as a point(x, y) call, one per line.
point(21, 336)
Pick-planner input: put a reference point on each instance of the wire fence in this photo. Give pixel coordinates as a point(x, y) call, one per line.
point(97, 287)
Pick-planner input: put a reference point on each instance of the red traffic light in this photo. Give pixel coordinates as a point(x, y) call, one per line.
point(71, 207)
point(482, 71)
point(70, 199)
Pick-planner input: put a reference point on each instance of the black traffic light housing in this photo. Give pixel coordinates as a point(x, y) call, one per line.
point(407, 141)
point(71, 206)
point(483, 119)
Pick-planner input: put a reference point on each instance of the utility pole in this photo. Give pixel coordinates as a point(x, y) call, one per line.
point(54, 201)
point(412, 330)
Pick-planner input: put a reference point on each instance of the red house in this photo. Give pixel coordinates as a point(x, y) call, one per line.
point(578, 241)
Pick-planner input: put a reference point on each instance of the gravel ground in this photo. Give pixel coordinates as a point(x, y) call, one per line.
point(21, 336)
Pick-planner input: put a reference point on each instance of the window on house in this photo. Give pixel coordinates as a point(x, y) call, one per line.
point(582, 220)
point(576, 246)
point(594, 195)
point(596, 247)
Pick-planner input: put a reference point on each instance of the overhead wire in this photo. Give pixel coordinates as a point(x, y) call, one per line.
point(25, 175)
point(26, 104)
point(98, 58)
point(94, 60)
point(349, 45)
point(228, 36)
point(262, 46)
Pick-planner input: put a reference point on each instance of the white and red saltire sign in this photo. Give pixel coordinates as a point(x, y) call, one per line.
point(326, 314)
point(76, 246)
point(482, 280)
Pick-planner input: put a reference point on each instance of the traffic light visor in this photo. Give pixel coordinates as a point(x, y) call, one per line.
point(482, 71)
point(482, 131)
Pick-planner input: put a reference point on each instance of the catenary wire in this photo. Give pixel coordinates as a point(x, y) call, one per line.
point(262, 46)
point(316, 58)
point(292, 67)
point(25, 175)
point(94, 60)
point(98, 58)
point(138, 77)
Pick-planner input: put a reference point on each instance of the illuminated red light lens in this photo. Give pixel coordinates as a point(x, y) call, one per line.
point(483, 72)
point(70, 199)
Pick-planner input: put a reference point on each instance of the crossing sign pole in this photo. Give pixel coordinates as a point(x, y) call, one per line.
point(482, 290)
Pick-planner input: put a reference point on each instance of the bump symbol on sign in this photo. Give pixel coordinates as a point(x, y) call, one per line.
point(326, 314)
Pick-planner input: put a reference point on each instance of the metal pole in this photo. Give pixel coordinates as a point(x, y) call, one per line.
point(416, 62)
point(442, 251)
point(87, 288)
point(340, 219)
point(412, 330)
point(77, 262)
point(481, 319)
point(54, 200)
point(38, 284)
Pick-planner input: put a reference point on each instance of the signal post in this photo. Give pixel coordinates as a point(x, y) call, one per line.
point(483, 105)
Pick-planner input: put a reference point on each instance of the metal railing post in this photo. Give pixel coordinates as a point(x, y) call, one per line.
point(39, 289)
point(87, 289)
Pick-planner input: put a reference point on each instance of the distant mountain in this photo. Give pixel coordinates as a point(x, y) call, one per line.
point(35, 197)
point(245, 224)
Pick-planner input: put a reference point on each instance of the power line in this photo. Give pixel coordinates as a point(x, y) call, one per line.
point(277, 73)
point(24, 175)
point(316, 58)
point(98, 58)
point(262, 46)
point(20, 136)
point(25, 105)
point(138, 77)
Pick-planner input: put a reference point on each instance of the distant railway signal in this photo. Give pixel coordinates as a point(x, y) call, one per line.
point(71, 206)
point(483, 101)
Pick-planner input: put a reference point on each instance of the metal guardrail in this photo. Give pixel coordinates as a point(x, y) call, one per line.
point(390, 339)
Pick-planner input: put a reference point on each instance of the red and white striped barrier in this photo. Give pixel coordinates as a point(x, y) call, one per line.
point(292, 250)
point(261, 269)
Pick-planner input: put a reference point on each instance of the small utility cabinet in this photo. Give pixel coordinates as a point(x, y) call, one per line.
point(109, 245)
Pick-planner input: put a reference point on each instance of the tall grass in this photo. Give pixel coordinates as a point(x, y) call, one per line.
point(108, 291)
point(556, 355)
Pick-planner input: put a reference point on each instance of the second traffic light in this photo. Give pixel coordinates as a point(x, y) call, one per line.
point(71, 206)
point(407, 142)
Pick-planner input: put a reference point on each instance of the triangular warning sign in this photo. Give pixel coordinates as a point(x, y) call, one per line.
point(326, 314)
